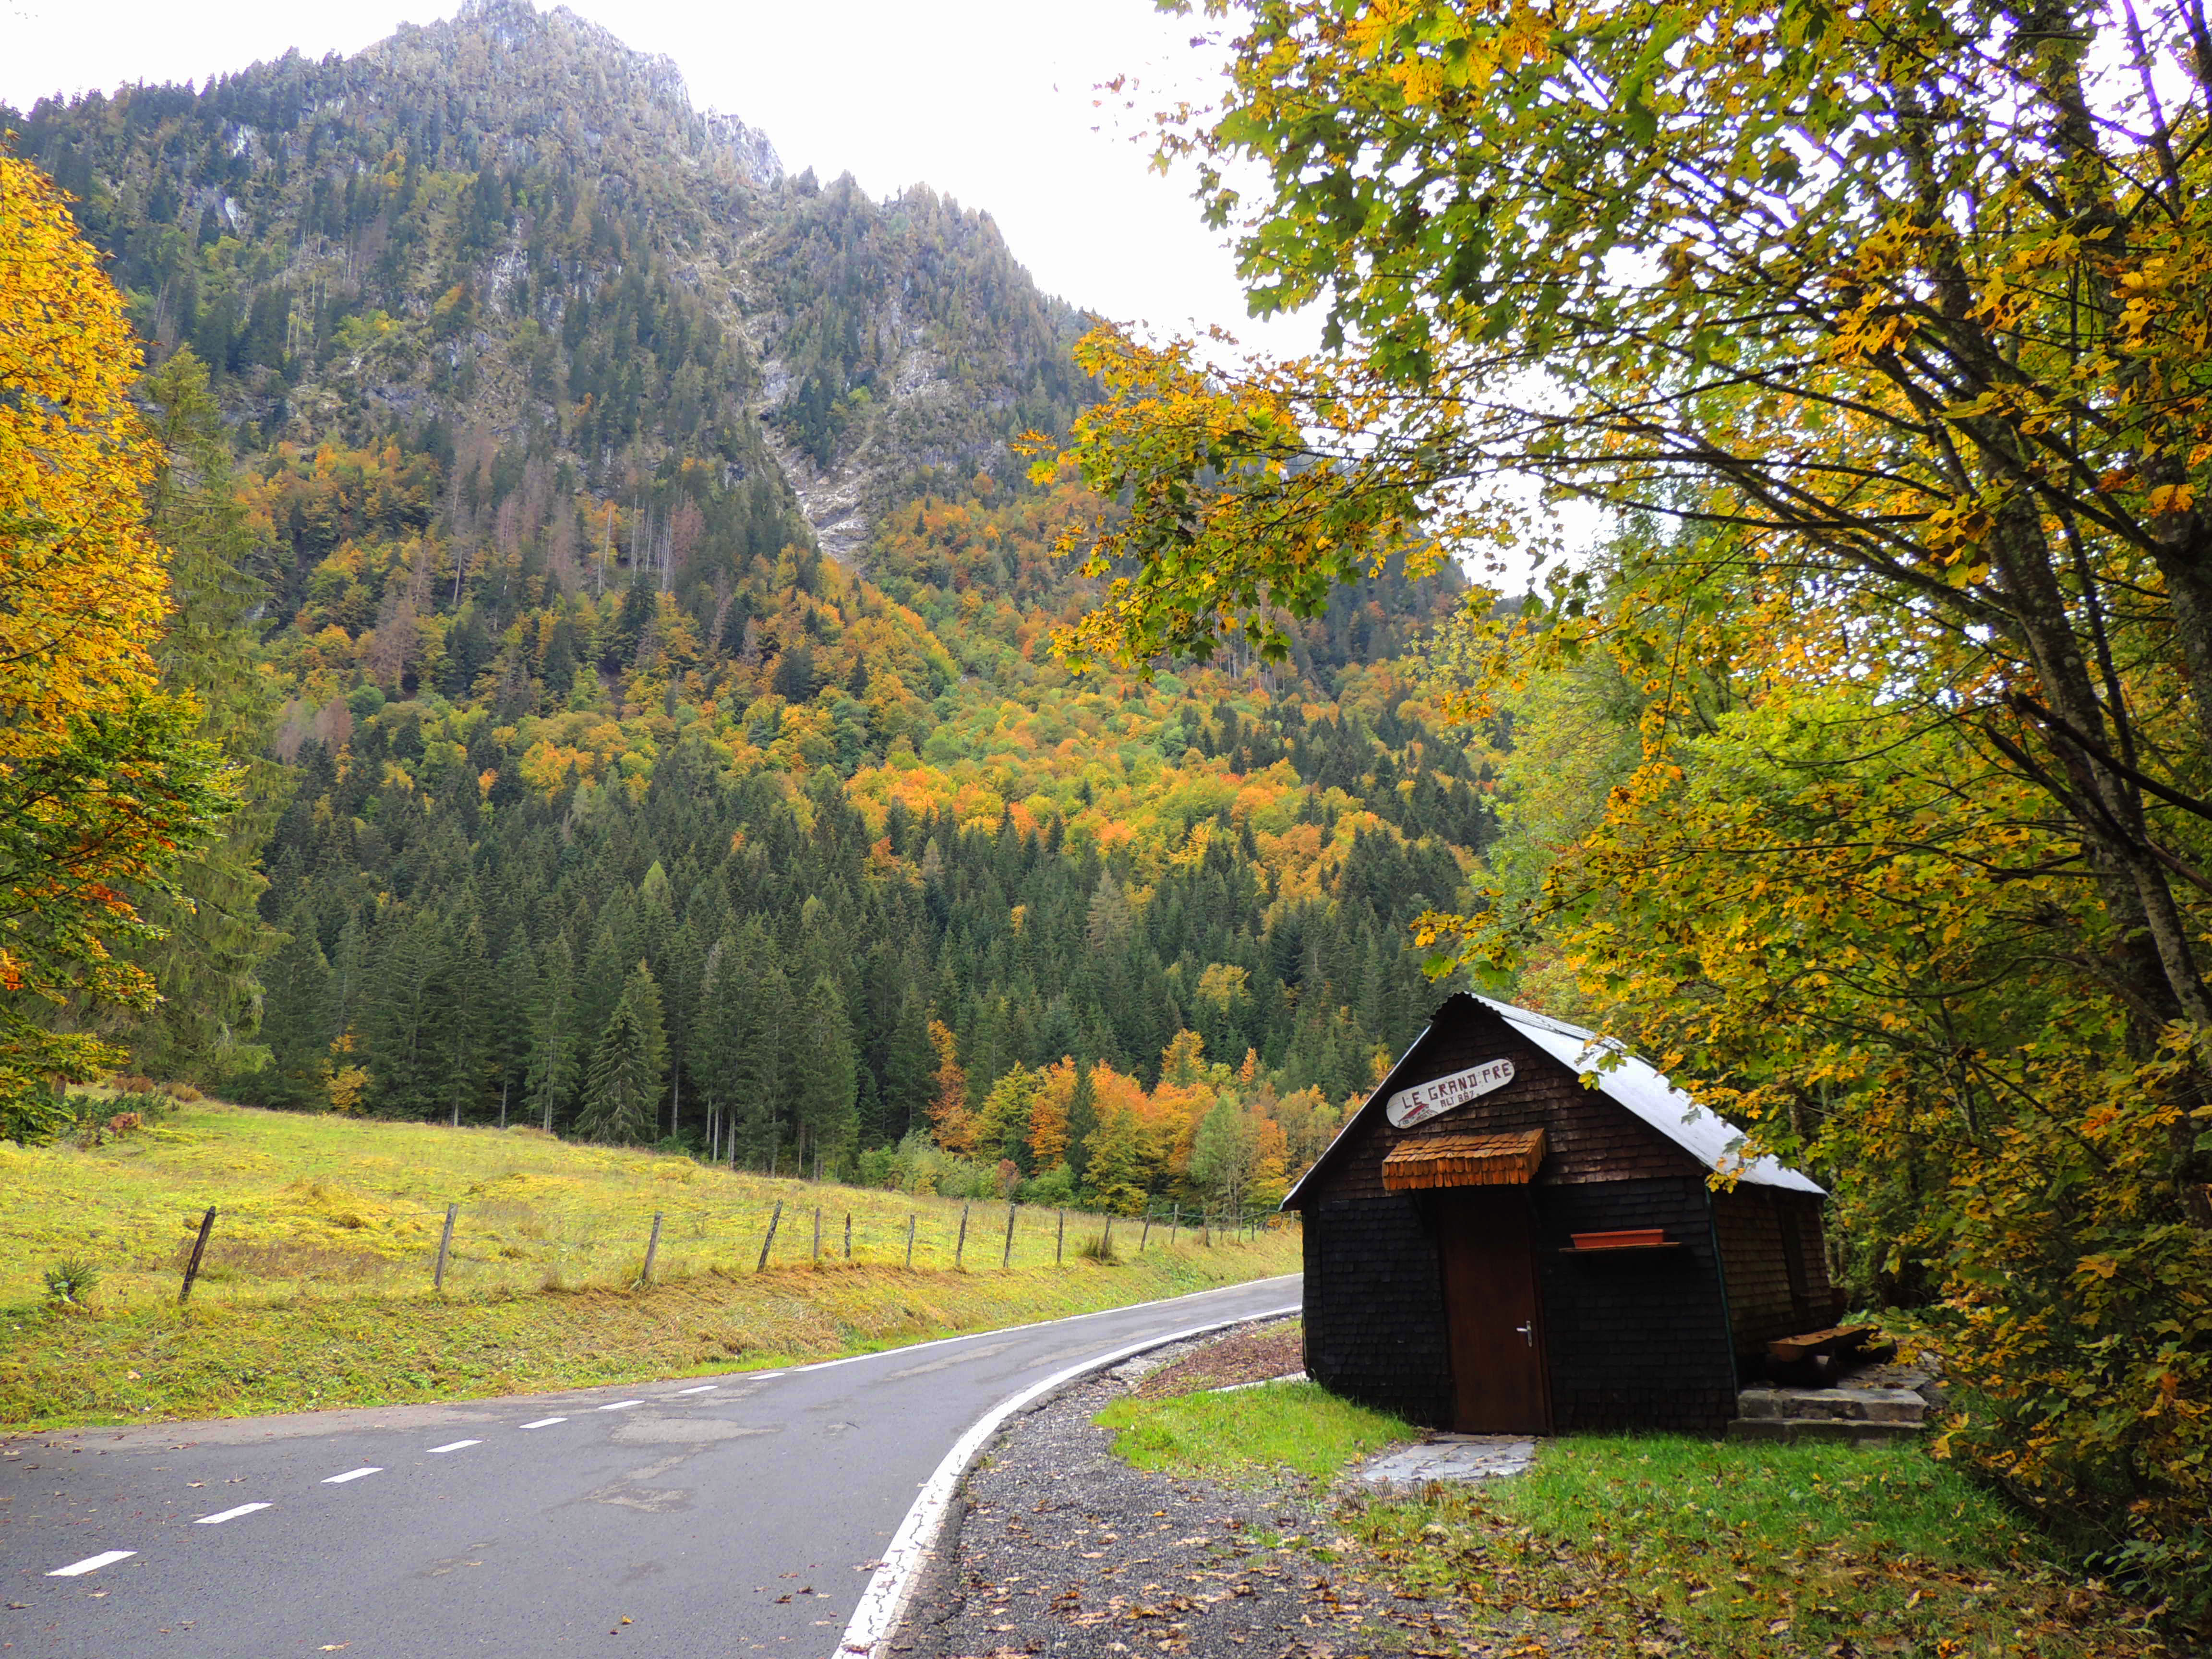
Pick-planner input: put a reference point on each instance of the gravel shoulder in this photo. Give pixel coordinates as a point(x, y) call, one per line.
point(1059, 1547)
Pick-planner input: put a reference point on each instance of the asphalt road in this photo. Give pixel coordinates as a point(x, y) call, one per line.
point(709, 1515)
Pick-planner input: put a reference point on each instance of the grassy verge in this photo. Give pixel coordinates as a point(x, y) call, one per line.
point(1660, 1545)
point(1280, 1425)
point(141, 1365)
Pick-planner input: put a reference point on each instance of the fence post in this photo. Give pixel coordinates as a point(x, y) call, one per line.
point(1060, 1239)
point(770, 1239)
point(848, 1235)
point(1175, 1223)
point(1145, 1234)
point(199, 1249)
point(652, 1248)
point(1107, 1247)
point(818, 1235)
point(445, 1243)
point(1006, 1256)
point(909, 1238)
point(960, 1249)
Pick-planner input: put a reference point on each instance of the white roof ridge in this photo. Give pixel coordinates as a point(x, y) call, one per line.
point(1635, 1084)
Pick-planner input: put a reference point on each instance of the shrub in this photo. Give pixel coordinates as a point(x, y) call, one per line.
point(1097, 1247)
point(34, 1117)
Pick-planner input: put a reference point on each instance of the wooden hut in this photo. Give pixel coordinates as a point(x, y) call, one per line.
point(1510, 1237)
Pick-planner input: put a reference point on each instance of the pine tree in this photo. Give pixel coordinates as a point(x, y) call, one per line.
point(629, 1066)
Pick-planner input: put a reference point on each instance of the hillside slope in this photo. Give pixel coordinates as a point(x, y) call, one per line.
point(673, 743)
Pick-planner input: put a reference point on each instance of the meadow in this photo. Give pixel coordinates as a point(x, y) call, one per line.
point(316, 1286)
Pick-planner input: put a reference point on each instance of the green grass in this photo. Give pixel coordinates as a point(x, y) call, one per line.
point(1663, 1545)
point(1276, 1425)
point(310, 1203)
point(1751, 1549)
point(317, 1287)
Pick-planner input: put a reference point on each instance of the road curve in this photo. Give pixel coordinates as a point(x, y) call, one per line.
point(727, 1515)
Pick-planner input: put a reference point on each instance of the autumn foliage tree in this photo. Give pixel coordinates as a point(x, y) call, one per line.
point(104, 782)
point(1899, 314)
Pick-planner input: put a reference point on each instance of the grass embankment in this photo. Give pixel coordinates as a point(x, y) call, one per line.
point(1662, 1544)
point(316, 1290)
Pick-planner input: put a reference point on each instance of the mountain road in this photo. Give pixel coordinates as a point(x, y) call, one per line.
point(731, 1515)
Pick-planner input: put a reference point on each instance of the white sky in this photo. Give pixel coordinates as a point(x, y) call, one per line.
point(987, 101)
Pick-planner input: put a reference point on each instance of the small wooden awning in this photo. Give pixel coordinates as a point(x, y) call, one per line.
point(1465, 1159)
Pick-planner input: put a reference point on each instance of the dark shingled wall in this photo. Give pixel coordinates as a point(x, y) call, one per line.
point(1375, 1306)
point(1635, 1339)
point(1640, 1340)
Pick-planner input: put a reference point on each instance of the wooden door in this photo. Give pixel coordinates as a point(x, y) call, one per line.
point(1485, 1240)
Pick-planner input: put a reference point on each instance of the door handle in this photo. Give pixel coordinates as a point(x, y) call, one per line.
point(1528, 1332)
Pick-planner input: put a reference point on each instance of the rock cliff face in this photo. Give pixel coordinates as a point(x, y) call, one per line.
point(511, 222)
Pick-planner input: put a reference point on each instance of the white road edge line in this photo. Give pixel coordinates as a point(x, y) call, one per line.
point(1004, 1330)
point(545, 1423)
point(91, 1563)
point(351, 1474)
point(622, 1404)
point(883, 1602)
point(453, 1445)
point(228, 1515)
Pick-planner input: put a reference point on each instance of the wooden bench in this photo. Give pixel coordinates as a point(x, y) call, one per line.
point(1819, 1357)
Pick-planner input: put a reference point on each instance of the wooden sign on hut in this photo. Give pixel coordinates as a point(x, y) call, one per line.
point(1494, 1245)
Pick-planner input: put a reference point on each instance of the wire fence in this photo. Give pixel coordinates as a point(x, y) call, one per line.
point(489, 1244)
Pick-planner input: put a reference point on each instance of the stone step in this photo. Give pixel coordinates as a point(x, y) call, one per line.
point(1844, 1405)
point(1857, 1431)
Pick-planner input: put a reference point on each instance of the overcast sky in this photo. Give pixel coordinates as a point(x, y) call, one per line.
point(987, 101)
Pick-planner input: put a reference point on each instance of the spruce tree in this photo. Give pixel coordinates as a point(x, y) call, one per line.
point(297, 1020)
point(1082, 1121)
point(909, 1072)
point(207, 961)
point(553, 1074)
point(822, 1068)
point(622, 1096)
point(463, 1043)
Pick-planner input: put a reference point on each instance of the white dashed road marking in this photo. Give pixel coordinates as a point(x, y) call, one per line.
point(704, 1388)
point(228, 1515)
point(453, 1445)
point(91, 1563)
point(351, 1474)
point(545, 1423)
point(622, 1404)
